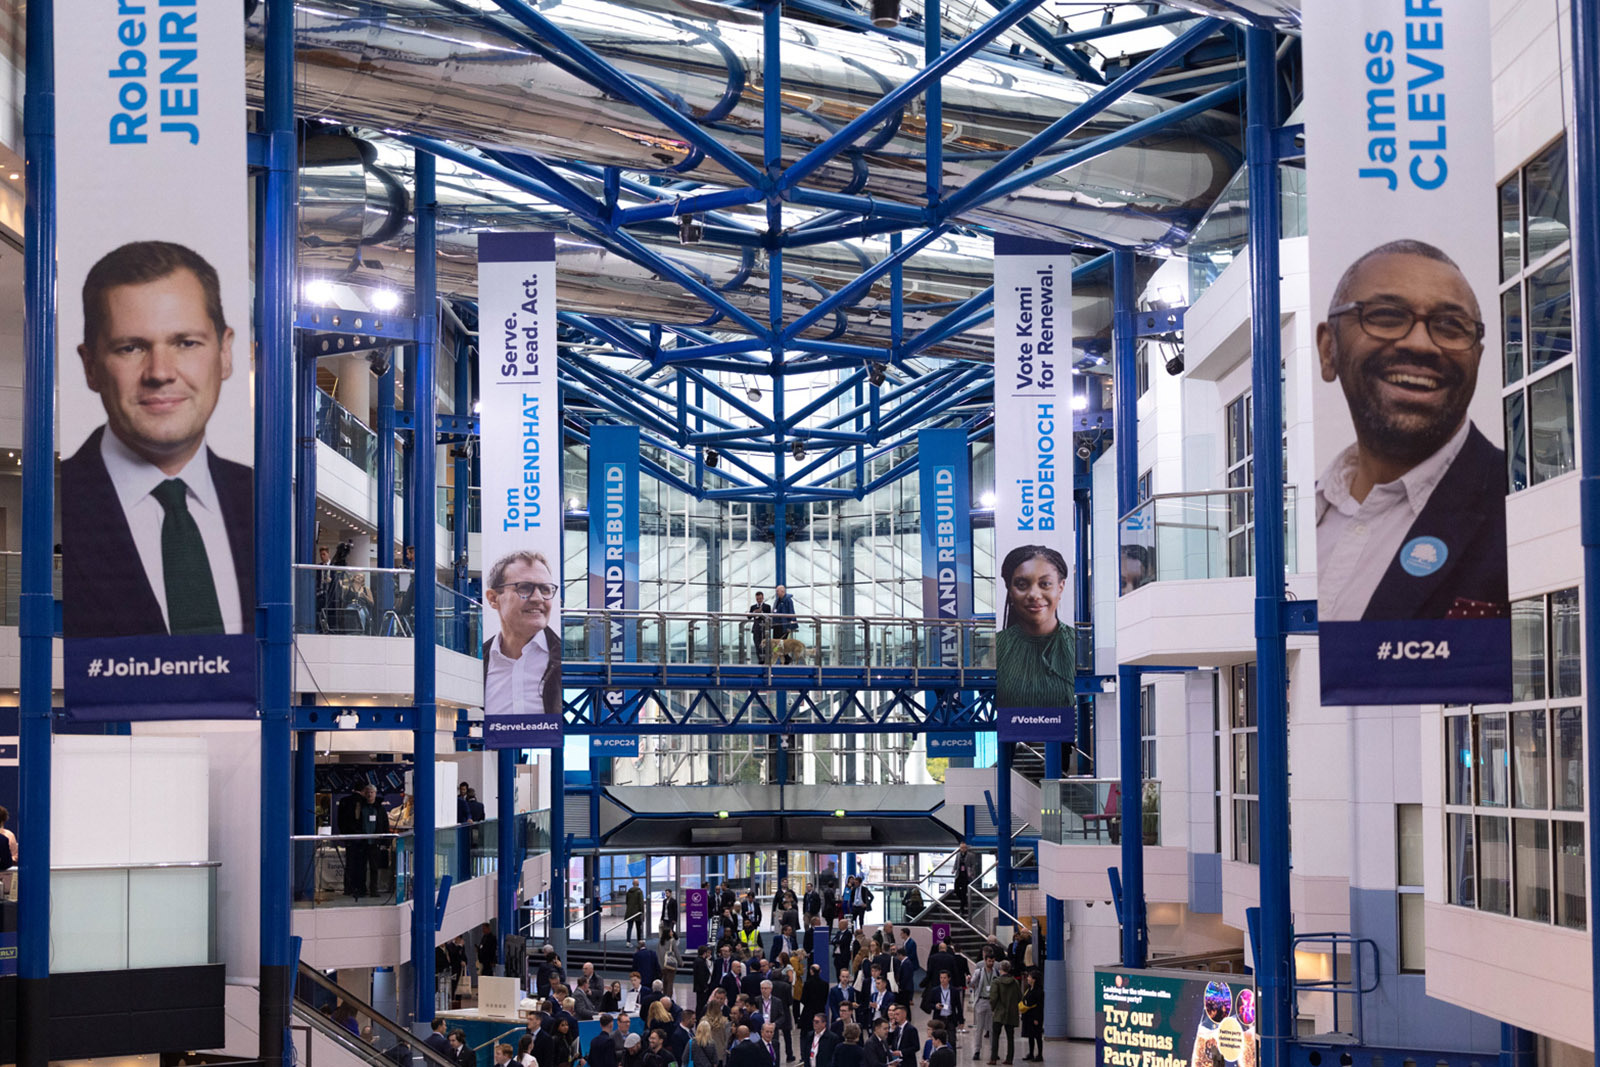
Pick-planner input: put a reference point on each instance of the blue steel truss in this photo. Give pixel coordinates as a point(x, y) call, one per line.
point(808, 708)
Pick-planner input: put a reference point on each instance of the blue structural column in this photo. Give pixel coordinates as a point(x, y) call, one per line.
point(386, 471)
point(274, 492)
point(305, 485)
point(1002, 829)
point(1273, 972)
point(1055, 942)
point(557, 896)
point(1586, 239)
point(419, 389)
point(1130, 759)
point(37, 621)
point(305, 810)
point(510, 869)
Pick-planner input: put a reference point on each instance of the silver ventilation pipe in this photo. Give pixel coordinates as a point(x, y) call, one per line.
point(355, 229)
point(465, 77)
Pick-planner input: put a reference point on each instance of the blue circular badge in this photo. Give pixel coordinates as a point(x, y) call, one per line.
point(1421, 556)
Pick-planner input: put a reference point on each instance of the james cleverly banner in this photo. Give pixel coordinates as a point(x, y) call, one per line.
point(614, 543)
point(946, 538)
point(157, 504)
point(519, 423)
point(1410, 499)
point(1035, 648)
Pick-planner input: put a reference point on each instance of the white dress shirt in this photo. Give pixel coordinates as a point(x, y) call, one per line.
point(517, 685)
point(134, 478)
point(1358, 540)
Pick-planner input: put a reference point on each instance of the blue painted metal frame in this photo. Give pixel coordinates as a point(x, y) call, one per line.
point(936, 708)
point(1585, 138)
point(1274, 965)
point(37, 622)
point(420, 390)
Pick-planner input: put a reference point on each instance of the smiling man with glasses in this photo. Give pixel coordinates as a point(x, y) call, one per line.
point(522, 663)
point(1410, 518)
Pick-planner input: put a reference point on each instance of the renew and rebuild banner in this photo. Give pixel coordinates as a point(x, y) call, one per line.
point(1035, 646)
point(519, 423)
point(946, 539)
point(1412, 594)
point(157, 498)
point(614, 544)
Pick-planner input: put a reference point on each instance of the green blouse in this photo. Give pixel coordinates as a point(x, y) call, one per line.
point(1035, 672)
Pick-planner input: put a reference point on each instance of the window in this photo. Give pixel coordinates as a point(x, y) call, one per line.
point(1514, 779)
point(1536, 310)
point(1146, 480)
point(1242, 723)
point(1147, 730)
point(1408, 886)
point(1238, 423)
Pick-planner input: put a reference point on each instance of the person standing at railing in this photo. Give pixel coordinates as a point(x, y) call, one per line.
point(783, 621)
point(760, 614)
point(408, 586)
point(362, 817)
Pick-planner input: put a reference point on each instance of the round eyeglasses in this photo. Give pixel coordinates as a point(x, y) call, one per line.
point(1452, 331)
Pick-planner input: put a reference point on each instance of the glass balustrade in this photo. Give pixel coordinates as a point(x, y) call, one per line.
point(347, 870)
point(345, 434)
point(1088, 811)
point(446, 501)
point(1184, 536)
point(668, 638)
point(112, 918)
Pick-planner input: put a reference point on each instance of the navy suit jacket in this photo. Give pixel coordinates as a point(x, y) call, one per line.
point(105, 592)
point(1467, 511)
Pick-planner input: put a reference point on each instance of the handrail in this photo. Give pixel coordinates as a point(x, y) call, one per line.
point(354, 570)
point(307, 973)
point(1141, 505)
point(360, 837)
point(195, 864)
point(934, 902)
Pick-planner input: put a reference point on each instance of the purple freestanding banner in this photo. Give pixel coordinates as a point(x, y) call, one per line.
point(697, 916)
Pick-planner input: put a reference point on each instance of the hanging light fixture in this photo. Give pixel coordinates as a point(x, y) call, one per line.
point(885, 14)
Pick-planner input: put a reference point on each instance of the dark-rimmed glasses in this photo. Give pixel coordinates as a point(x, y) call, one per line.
point(1450, 330)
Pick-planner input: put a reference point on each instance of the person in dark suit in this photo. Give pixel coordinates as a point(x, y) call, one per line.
point(943, 1002)
point(943, 1055)
point(903, 1037)
point(849, 1053)
point(437, 1040)
point(462, 1052)
point(842, 993)
point(876, 1051)
point(522, 663)
point(156, 529)
point(817, 1048)
point(811, 903)
point(744, 1052)
point(647, 963)
point(701, 978)
point(603, 1049)
point(1411, 517)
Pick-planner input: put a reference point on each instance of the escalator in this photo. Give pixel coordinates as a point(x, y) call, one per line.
point(323, 1040)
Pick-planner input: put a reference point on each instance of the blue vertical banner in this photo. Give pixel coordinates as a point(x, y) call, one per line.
point(156, 433)
point(1413, 591)
point(614, 546)
point(520, 427)
point(946, 538)
point(1035, 641)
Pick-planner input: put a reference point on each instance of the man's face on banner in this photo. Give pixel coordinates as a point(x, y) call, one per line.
point(1408, 395)
point(521, 617)
point(159, 367)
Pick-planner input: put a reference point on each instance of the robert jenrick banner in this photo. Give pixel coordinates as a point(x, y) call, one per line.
point(520, 428)
point(1035, 648)
point(1410, 499)
point(157, 505)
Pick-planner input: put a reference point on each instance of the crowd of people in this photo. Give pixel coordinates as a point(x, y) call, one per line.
point(762, 1001)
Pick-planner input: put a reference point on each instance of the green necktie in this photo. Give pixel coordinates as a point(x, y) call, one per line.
point(191, 594)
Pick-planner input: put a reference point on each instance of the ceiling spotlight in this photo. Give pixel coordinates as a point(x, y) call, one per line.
point(876, 373)
point(385, 300)
point(14, 176)
point(1175, 363)
point(987, 500)
point(1085, 450)
point(754, 392)
point(885, 14)
point(690, 230)
point(378, 362)
point(572, 503)
point(1080, 402)
point(319, 291)
point(798, 450)
point(712, 457)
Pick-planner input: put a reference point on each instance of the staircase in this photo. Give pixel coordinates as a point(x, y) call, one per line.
point(1028, 761)
point(612, 958)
